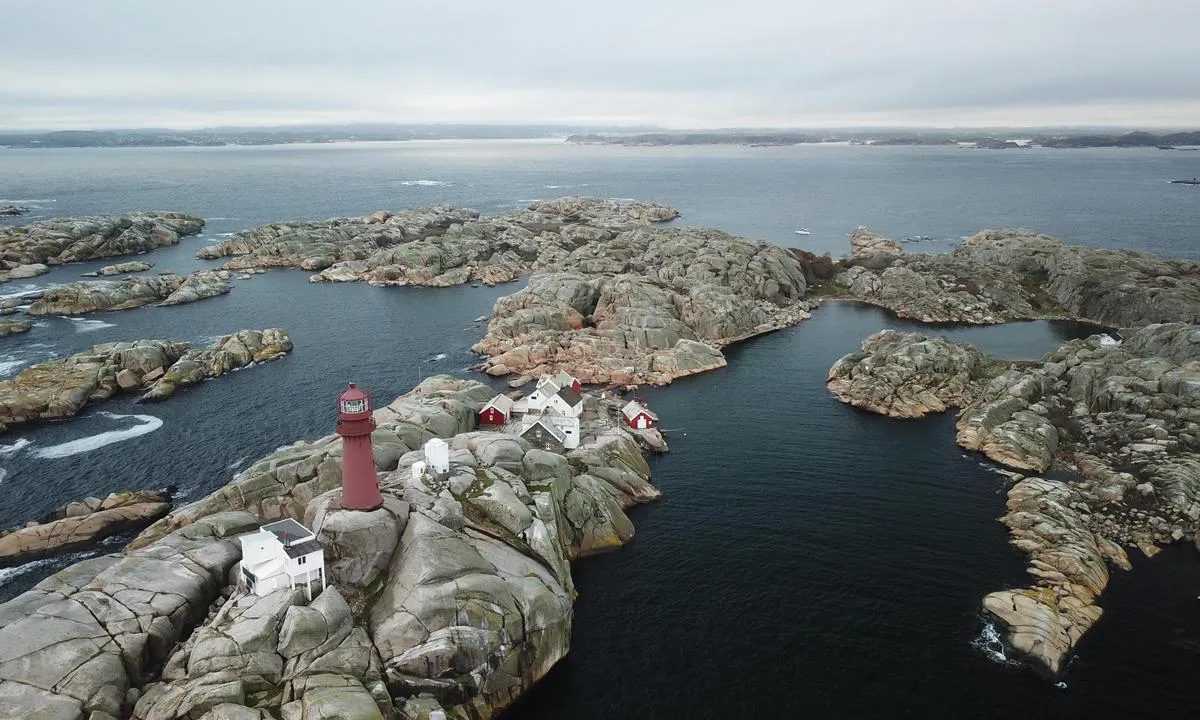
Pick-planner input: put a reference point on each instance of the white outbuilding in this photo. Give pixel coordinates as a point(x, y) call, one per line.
point(280, 555)
point(437, 456)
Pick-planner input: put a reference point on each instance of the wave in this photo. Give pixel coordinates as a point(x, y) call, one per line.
point(435, 358)
point(238, 463)
point(103, 547)
point(27, 200)
point(989, 643)
point(149, 424)
point(9, 367)
point(9, 573)
point(9, 450)
point(425, 183)
point(561, 187)
point(3, 474)
point(24, 290)
point(84, 326)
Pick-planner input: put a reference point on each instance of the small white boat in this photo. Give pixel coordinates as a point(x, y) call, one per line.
point(802, 231)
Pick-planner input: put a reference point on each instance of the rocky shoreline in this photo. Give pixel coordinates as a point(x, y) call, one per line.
point(80, 524)
point(612, 299)
point(61, 388)
point(29, 250)
point(1001, 275)
point(1120, 417)
point(83, 297)
point(455, 595)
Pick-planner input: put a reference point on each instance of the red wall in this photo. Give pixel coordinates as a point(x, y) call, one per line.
point(492, 416)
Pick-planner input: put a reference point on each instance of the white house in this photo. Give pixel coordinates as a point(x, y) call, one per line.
point(437, 456)
point(549, 431)
point(546, 389)
point(280, 555)
point(565, 379)
point(566, 402)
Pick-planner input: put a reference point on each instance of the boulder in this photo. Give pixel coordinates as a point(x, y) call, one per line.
point(358, 544)
point(121, 269)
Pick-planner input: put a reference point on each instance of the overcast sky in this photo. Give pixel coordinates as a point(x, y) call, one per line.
point(676, 63)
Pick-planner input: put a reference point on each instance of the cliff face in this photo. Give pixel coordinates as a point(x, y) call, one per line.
point(1000, 275)
point(1125, 419)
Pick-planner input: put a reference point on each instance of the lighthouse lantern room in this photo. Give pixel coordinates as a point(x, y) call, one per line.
point(360, 486)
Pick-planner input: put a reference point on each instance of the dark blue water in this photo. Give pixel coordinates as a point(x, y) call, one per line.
point(808, 557)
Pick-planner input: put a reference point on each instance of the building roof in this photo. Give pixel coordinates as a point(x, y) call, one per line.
point(288, 531)
point(634, 408)
point(571, 397)
point(548, 381)
point(550, 427)
point(501, 402)
point(295, 550)
point(353, 392)
point(564, 378)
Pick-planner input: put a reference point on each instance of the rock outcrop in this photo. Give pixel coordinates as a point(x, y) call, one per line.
point(613, 299)
point(1000, 275)
point(121, 269)
point(90, 296)
point(81, 523)
point(13, 327)
point(1122, 417)
point(63, 240)
point(647, 305)
point(865, 242)
point(226, 354)
point(275, 655)
point(436, 245)
point(908, 375)
point(6, 209)
point(61, 388)
point(462, 580)
point(74, 645)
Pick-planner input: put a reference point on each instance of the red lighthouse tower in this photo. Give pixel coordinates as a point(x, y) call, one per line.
point(360, 487)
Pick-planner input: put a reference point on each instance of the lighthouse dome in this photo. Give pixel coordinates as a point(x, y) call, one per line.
point(353, 401)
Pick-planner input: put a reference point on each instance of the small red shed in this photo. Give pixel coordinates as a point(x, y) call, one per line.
point(637, 416)
point(497, 411)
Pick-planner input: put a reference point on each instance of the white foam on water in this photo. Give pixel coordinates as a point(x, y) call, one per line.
point(238, 463)
point(149, 424)
point(990, 644)
point(9, 573)
point(83, 325)
point(9, 367)
point(3, 474)
point(22, 291)
point(560, 187)
point(10, 450)
point(27, 200)
point(435, 358)
point(425, 183)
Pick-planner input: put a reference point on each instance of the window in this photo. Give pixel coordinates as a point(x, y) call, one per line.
point(302, 560)
point(354, 406)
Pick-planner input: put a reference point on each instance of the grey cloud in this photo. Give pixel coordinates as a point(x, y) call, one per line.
point(706, 61)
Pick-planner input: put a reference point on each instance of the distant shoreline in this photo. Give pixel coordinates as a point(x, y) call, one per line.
point(997, 139)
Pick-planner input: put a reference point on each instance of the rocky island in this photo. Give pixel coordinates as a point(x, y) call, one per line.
point(61, 388)
point(455, 596)
point(121, 269)
point(78, 298)
point(6, 209)
point(29, 250)
point(1121, 418)
point(1001, 275)
point(614, 298)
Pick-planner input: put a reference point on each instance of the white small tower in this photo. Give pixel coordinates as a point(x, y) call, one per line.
point(437, 455)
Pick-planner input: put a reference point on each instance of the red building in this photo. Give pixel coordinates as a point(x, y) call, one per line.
point(637, 416)
point(360, 485)
point(497, 411)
